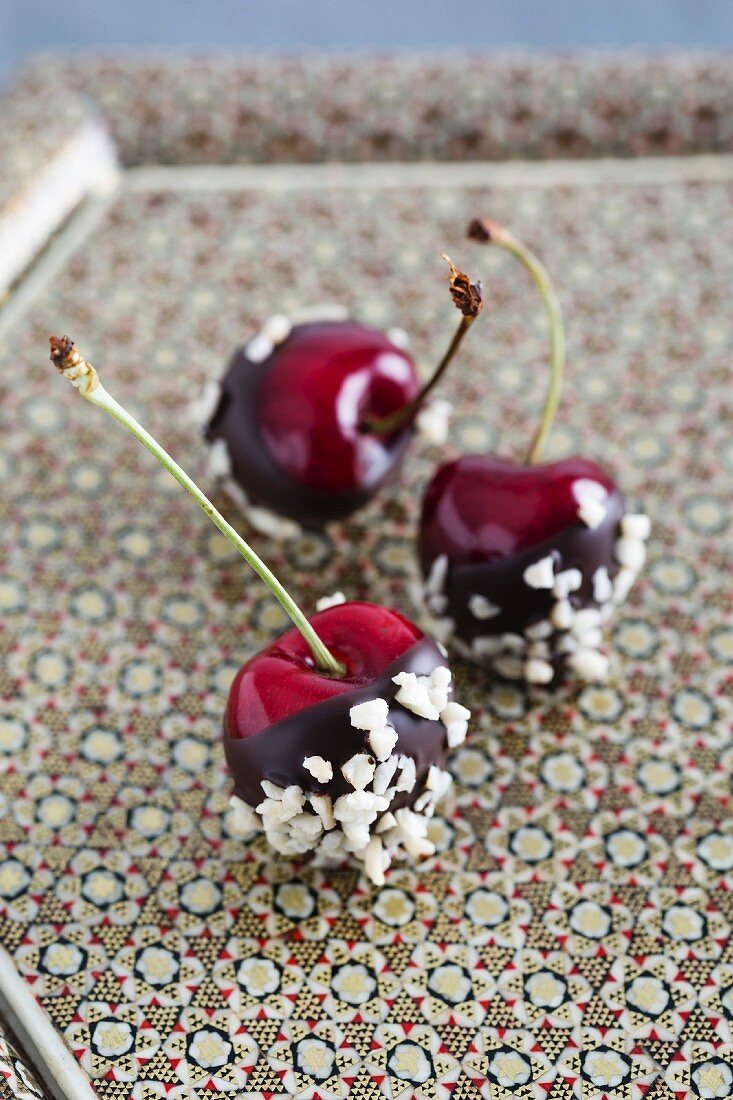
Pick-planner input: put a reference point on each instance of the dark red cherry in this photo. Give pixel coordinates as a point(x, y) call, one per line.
point(325, 777)
point(292, 423)
point(282, 680)
point(524, 562)
point(481, 508)
point(282, 709)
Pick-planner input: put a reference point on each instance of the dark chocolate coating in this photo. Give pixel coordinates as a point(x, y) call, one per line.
point(277, 752)
point(235, 420)
point(502, 581)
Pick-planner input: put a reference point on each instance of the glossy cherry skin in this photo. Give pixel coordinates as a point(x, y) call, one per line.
point(492, 518)
point(481, 508)
point(293, 424)
point(282, 679)
point(281, 708)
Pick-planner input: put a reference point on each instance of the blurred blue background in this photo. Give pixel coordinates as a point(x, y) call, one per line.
point(30, 25)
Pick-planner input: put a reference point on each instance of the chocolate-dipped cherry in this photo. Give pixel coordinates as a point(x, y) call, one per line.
point(312, 417)
point(336, 734)
point(523, 564)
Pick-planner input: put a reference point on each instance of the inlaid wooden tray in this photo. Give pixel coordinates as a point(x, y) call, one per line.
point(587, 851)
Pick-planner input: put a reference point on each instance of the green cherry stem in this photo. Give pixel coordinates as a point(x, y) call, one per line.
point(81, 374)
point(491, 233)
point(468, 298)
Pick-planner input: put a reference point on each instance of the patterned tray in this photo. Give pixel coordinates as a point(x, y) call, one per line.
point(571, 937)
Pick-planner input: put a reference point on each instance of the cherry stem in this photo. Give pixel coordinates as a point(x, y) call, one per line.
point(81, 374)
point(468, 297)
point(491, 233)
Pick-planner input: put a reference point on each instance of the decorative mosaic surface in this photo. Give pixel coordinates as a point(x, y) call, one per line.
point(571, 937)
point(17, 1081)
point(37, 114)
point(219, 109)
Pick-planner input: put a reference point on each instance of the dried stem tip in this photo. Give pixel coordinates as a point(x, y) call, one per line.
point(482, 229)
point(69, 362)
point(467, 296)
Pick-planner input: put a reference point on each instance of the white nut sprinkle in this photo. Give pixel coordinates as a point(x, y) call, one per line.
point(590, 665)
point(270, 524)
point(359, 770)
point(486, 645)
point(330, 601)
point(481, 608)
point(437, 574)
point(566, 644)
point(441, 676)
point(272, 790)
point(455, 718)
point(386, 821)
point(276, 813)
point(218, 462)
point(441, 649)
point(280, 841)
point(635, 525)
point(330, 849)
point(236, 494)
point(623, 582)
point(293, 796)
point(591, 512)
point(408, 774)
point(454, 712)
point(587, 618)
point(357, 806)
point(398, 337)
point(566, 582)
point(382, 742)
point(540, 574)
point(241, 817)
point(438, 781)
point(438, 696)
point(383, 775)
point(515, 643)
point(539, 649)
point(410, 823)
point(509, 667)
point(310, 825)
point(433, 421)
point(414, 696)
point(204, 407)
point(537, 671)
point(538, 631)
point(456, 733)
point(357, 835)
point(277, 328)
point(418, 846)
point(432, 782)
point(562, 615)
point(348, 810)
point(602, 587)
point(630, 552)
point(323, 806)
point(320, 769)
point(437, 603)
point(374, 861)
point(371, 715)
point(422, 803)
point(259, 348)
point(590, 639)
